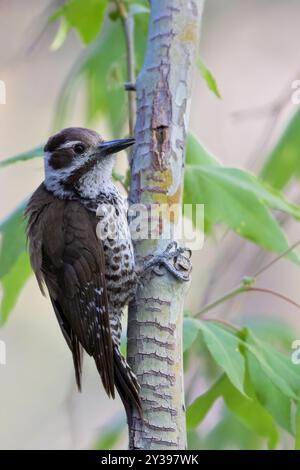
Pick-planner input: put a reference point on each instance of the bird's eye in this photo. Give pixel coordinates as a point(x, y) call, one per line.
point(79, 148)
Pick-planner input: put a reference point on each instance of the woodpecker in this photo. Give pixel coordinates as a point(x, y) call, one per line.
point(89, 280)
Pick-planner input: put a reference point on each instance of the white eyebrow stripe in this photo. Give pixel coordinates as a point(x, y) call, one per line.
point(69, 144)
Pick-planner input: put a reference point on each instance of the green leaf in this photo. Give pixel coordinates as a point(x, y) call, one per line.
point(224, 347)
point(275, 365)
point(197, 411)
point(141, 34)
point(271, 383)
point(272, 330)
point(209, 78)
point(196, 154)
point(283, 162)
point(13, 240)
point(24, 156)
point(86, 16)
point(250, 412)
point(247, 410)
point(231, 433)
point(102, 72)
point(297, 440)
point(190, 332)
point(12, 285)
point(61, 35)
point(237, 199)
point(269, 395)
point(194, 441)
point(14, 262)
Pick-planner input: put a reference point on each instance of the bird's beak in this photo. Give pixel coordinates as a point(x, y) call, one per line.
point(114, 146)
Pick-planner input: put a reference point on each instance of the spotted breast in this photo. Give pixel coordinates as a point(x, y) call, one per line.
point(120, 273)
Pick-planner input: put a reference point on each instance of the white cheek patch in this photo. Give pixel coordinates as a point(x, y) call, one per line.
point(54, 178)
point(97, 180)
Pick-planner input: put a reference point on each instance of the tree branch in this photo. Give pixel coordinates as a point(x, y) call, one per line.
point(128, 26)
point(243, 289)
point(155, 318)
point(128, 23)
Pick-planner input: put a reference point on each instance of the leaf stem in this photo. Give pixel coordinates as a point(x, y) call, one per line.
point(273, 261)
point(272, 292)
point(222, 322)
point(241, 289)
point(246, 288)
point(238, 290)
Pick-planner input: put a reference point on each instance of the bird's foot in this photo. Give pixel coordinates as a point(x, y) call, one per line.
point(175, 259)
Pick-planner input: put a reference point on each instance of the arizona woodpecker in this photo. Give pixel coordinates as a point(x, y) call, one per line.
point(89, 280)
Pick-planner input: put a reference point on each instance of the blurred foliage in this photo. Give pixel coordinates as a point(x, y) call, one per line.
point(111, 434)
point(14, 262)
point(256, 382)
point(101, 70)
point(235, 198)
point(209, 78)
point(23, 157)
point(228, 433)
point(260, 385)
point(297, 441)
point(190, 332)
point(283, 163)
point(272, 330)
point(86, 17)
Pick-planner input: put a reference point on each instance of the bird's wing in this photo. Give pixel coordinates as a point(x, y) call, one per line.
point(67, 255)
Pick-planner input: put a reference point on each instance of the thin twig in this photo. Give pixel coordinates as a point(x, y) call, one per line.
point(272, 292)
point(238, 290)
point(129, 35)
point(229, 325)
point(273, 261)
point(246, 286)
point(242, 289)
point(228, 256)
point(128, 26)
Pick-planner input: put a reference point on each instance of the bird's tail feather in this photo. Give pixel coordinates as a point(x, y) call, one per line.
point(77, 354)
point(127, 385)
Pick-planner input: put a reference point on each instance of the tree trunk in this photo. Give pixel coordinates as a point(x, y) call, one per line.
point(155, 317)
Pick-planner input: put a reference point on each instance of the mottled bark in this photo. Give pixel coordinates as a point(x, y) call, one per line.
point(155, 318)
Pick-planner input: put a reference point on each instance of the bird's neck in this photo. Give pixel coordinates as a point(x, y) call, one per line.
point(95, 182)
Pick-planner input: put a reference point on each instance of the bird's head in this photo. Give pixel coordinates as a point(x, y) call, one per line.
point(79, 160)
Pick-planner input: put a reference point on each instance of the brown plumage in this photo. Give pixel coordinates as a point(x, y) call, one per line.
point(68, 257)
point(89, 280)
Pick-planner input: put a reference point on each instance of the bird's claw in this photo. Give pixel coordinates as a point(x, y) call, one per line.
point(175, 259)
